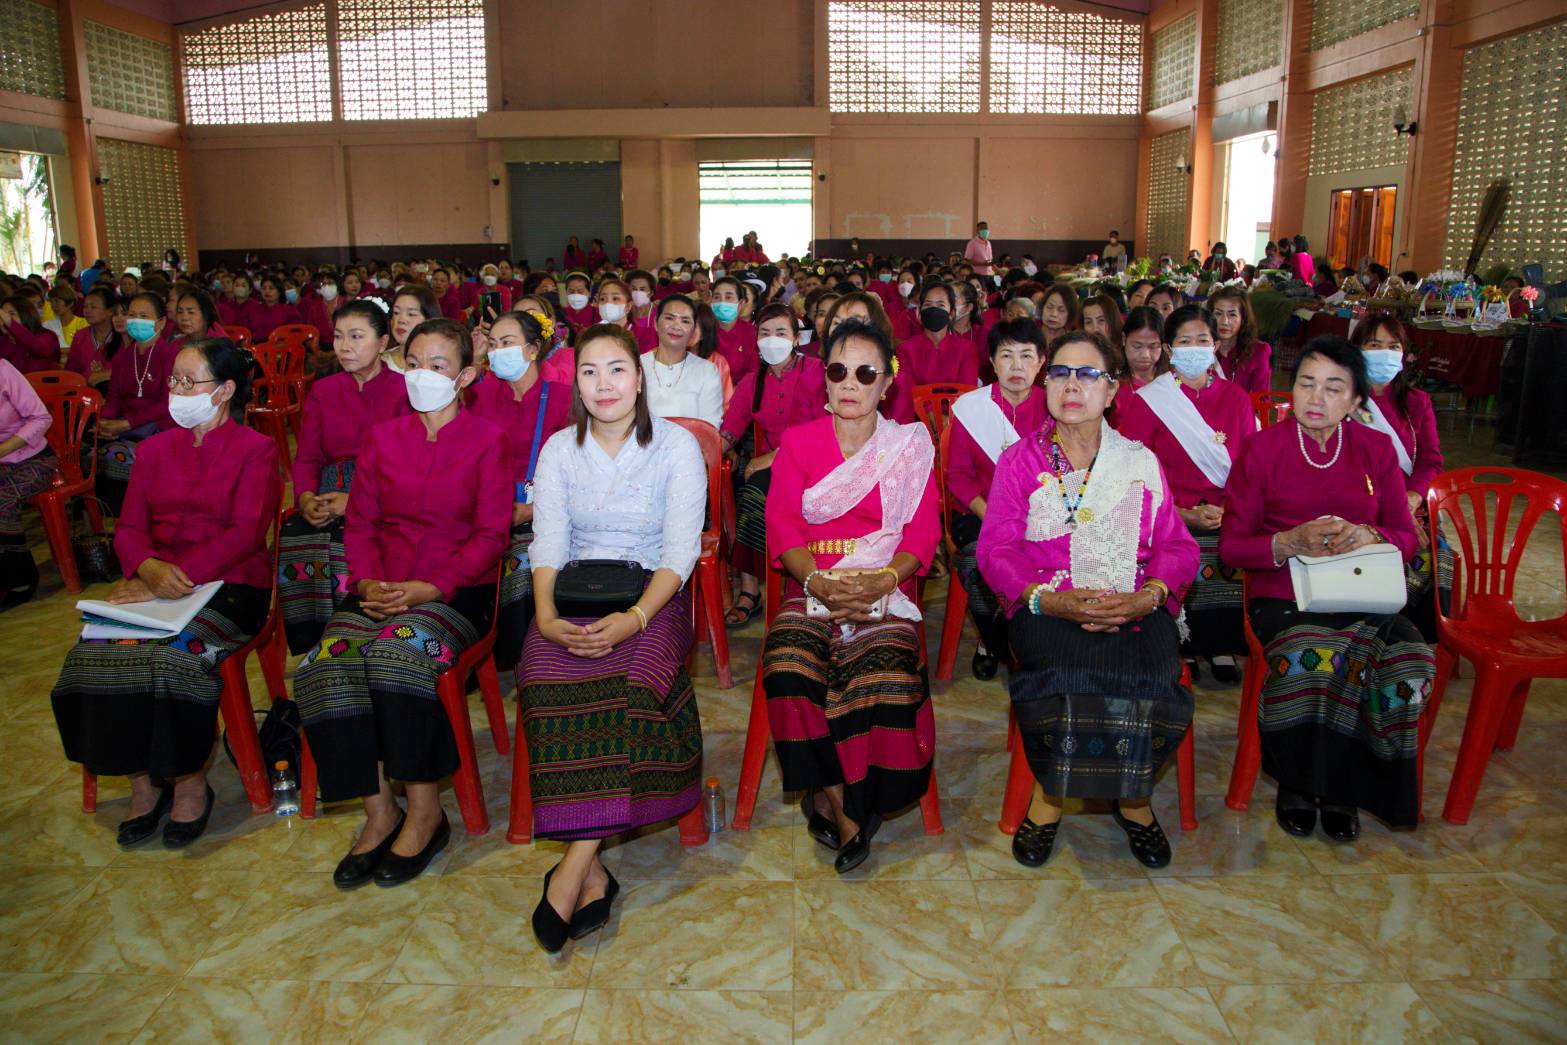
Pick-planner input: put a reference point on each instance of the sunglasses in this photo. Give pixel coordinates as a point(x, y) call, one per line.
point(865, 374)
point(1086, 375)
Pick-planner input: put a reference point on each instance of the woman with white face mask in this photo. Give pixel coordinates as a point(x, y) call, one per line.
point(643, 324)
point(322, 307)
point(612, 303)
point(426, 526)
point(1196, 423)
point(201, 503)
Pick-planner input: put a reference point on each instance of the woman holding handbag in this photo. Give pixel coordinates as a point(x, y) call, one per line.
point(1342, 699)
point(610, 716)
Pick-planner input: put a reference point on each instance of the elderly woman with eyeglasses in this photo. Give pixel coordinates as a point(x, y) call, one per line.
point(1083, 543)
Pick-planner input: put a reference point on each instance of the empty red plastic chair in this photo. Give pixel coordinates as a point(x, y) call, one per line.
point(73, 428)
point(1482, 624)
point(54, 380)
point(957, 595)
point(277, 400)
point(933, 405)
point(707, 589)
point(239, 335)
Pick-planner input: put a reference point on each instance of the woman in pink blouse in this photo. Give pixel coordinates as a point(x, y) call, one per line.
point(272, 311)
point(934, 356)
point(320, 311)
point(1146, 351)
point(852, 518)
point(789, 389)
point(1083, 544)
point(25, 342)
point(1341, 703)
point(27, 467)
point(93, 348)
point(338, 416)
point(1242, 358)
point(137, 404)
point(202, 499)
point(425, 529)
point(1196, 422)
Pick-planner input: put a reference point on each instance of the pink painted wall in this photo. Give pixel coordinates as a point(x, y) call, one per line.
point(284, 197)
point(419, 194)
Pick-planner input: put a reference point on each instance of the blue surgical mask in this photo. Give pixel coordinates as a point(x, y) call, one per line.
point(508, 363)
point(1191, 360)
point(726, 311)
point(984, 233)
point(1383, 364)
point(141, 329)
point(291, 296)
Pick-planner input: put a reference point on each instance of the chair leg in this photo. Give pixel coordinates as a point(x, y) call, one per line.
point(709, 591)
point(1446, 668)
point(1508, 736)
point(58, 530)
point(1186, 780)
point(1248, 754)
point(519, 828)
point(1488, 707)
point(1020, 787)
point(930, 806)
point(239, 717)
point(952, 626)
point(273, 656)
point(89, 791)
point(494, 706)
point(307, 779)
point(757, 733)
point(693, 827)
point(470, 792)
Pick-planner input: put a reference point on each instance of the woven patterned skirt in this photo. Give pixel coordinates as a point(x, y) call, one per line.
point(1099, 712)
point(983, 604)
point(115, 459)
point(1341, 706)
point(852, 711)
point(1213, 604)
point(313, 567)
point(750, 551)
point(151, 706)
point(1428, 578)
point(613, 743)
point(511, 630)
point(20, 481)
point(366, 692)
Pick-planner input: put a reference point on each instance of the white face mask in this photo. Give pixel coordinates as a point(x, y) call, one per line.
point(490, 281)
point(428, 391)
point(775, 349)
point(329, 293)
point(384, 284)
point(241, 293)
point(1029, 268)
point(577, 301)
point(805, 336)
point(719, 273)
point(641, 298)
point(191, 411)
point(905, 289)
point(612, 311)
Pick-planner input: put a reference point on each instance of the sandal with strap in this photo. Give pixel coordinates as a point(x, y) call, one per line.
point(1147, 841)
point(1032, 843)
point(748, 609)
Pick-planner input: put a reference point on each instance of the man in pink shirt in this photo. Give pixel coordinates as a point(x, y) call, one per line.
point(977, 253)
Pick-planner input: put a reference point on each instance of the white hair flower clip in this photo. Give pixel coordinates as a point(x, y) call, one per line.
point(380, 304)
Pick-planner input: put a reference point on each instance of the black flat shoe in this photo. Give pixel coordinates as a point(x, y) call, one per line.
point(395, 870)
point(1033, 842)
point(1147, 841)
point(1226, 676)
point(853, 853)
point(1341, 823)
point(177, 834)
point(549, 928)
point(591, 918)
point(138, 829)
point(1295, 817)
point(356, 869)
point(984, 666)
point(818, 826)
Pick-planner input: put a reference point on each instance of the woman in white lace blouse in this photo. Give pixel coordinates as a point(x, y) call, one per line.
point(681, 383)
point(614, 741)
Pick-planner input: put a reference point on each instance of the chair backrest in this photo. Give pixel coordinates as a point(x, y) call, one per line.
point(296, 333)
point(1271, 407)
point(239, 335)
point(74, 413)
point(282, 374)
point(712, 455)
point(42, 380)
point(1504, 504)
point(933, 404)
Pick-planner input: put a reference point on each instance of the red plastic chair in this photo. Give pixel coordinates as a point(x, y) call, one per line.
point(277, 402)
point(75, 415)
point(53, 380)
point(707, 601)
point(234, 706)
point(1272, 407)
point(307, 337)
point(451, 687)
point(759, 731)
point(1483, 623)
point(957, 595)
point(933, 405)
point(239, 335)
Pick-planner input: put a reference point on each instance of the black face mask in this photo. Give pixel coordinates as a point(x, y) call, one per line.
point(934, 318)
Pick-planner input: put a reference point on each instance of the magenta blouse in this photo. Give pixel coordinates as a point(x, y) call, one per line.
point(794, 399)
point(1222, 404)
point(338, 414)
point(84, 349)
point(970, 471)
point(1254, 375)
point(738, 347)
point(495, 401)
point(1416, 429)
point(138, 384)
point(27, 351)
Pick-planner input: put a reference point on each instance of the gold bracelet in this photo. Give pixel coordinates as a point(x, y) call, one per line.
point(641, 616)
point(896, 580)
point(1161, 591)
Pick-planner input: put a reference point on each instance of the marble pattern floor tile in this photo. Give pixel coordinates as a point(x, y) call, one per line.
point(930, 1017)
point(75, 1007)
point(1512, 1011)
point(1290, 1013)
point(1129, 1015)
point(685, 1017)
point(889, 935)
point(417, 1013)
point(202, 1010)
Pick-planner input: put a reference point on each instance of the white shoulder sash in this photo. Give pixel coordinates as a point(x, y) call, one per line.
point(1179, 414)
point(1380, 423)
point(985, 422)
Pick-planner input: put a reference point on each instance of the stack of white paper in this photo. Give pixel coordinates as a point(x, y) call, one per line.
point(158, 619)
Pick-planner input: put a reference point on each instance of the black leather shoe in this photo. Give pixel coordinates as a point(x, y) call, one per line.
point(549, 928)
point(1033, 842)
point(395, 870)
point(591, 917)
point(177, 834)
point(356, 869)
point(853, 853)
point(138, 829)
point(1226, 676)
point(1147, 841)
point(984, 666)
point(1341, 823)
point(822, 828)
point(1296, 813)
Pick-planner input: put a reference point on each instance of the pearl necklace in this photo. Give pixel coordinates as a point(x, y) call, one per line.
point(1300, 436)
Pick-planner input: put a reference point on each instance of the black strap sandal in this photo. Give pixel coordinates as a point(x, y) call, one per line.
point(1147, 841)
point(1033, 842)
point(749, 609)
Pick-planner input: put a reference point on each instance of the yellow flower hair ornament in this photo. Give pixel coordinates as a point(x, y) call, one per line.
point(546, 325)
point(894, 366)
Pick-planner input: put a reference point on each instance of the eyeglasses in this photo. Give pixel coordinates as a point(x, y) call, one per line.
point(865, 374)
point(1086, 375)
point(187, 383)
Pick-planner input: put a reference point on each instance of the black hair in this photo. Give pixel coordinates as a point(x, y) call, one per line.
point(1165, 288)
point(1338, 350)
point(776, 310)
point(1144, 317)
point(643, 419)
point(859, 328)
point(945, 288)
point(447, 328)
point(227, 362)
point(1020, 331)
point(1132, 290)
point(371, 312)
point(209, 311)
point(1193, 313)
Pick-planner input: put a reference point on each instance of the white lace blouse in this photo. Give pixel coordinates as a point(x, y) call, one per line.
point(690, 388)
point(647, 503)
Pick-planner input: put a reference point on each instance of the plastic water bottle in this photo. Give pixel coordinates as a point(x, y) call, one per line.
point(713, 805)
point(285, 790)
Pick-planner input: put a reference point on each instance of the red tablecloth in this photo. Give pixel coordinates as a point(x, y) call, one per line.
point(1471, 361)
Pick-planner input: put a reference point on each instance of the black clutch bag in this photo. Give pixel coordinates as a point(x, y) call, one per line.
point(598, 587)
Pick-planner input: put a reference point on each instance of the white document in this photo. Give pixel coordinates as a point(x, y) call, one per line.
point(158, 619)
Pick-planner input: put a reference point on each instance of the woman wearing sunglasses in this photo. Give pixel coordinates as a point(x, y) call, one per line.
point(1082, 542)
point(851, 519)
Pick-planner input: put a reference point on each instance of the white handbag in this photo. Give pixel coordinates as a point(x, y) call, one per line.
point(1366, 580)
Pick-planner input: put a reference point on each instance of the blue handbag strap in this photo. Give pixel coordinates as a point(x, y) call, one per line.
point(538, 429)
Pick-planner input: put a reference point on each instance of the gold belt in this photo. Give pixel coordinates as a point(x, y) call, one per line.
point(836, 546)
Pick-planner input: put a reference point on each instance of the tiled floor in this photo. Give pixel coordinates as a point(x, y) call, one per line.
point(1444, 934)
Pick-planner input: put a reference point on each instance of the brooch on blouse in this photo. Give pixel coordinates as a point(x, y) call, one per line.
point(1218, 437)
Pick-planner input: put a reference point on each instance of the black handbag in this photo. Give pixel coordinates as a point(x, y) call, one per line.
point(94, 553)
point(279, 734)
point(598, 587)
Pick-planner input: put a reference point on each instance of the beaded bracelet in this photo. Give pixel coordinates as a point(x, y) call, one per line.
point(807, 584)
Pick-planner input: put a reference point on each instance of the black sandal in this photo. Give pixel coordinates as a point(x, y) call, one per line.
point(749, 611)
point(1147, 841)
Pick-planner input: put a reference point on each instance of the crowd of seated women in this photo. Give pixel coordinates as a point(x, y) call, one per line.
point(466, 452)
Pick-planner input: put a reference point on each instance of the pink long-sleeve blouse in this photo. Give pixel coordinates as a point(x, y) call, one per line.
point(1222, 404)
point(27, 351)
point(138, 384)
point(1416, 429)
point(22, 414)
point(1255, 374)
point(970, 471)
point(338, 416)
point(793, 399)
